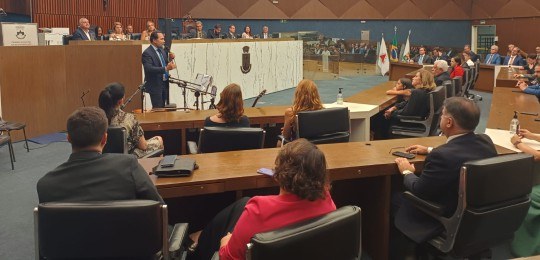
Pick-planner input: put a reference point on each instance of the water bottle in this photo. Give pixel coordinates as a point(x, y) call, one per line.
point(340, 97)
point(514, 124)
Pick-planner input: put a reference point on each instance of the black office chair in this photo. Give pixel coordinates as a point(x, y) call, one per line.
point(418, 126)
point(449, 86)
point(117, 142)
point(493, 201)
point(456, 83)
point(464, 81)
point(6, 126)
point(336, 235)
point(6, 140)
point(222, 139)
point(130, 229)
point(329, 125)
point(472, 83)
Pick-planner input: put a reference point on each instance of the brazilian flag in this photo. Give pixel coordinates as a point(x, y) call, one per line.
point(394, 48)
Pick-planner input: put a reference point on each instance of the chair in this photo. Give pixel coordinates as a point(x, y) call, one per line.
point(493, 201)
point(6, 126)
point(7, 140)
point(464, 81)
point(329, 125)
point(472, 83)
point(418, 126)
point(117, 142)
point(130, 229)
point(222, 139)
point(449, 86)
point(336, 235)
point(456, 83)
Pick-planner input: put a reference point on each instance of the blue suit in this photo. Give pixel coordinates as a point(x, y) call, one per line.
point(533, 89)
point(518, 61)
point(494, 59)
point(80, 35)
point(156, 85)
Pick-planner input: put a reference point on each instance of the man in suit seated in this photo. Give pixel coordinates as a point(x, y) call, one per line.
point(422, 58)
point(514, 59)
point(493, 58)
point(231, 34)
point(198, 32)
point(533, 86)
point(437, 54)
point(265, 34)
point(439, 180)
point(83, 32)
point(467, 49)
point(89, 175)
point(215, 33)
point(440, 72)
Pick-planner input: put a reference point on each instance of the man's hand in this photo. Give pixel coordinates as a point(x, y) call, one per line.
point(171, 55)
point(522, 86)
point(417, 149)
point(403, 164)
point(225, 240)
point(171, 66)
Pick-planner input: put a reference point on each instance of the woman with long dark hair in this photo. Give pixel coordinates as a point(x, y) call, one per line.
point(230, 108)
point(110, 100)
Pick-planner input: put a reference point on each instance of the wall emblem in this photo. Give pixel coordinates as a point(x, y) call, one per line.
point(20, 35)
point(246, 65)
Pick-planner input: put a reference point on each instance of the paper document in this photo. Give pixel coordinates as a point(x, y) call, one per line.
point(502, 138)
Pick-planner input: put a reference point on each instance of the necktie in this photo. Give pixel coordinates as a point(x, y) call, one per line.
point(421, 60)
point(166, 75)
point(511, 61)
point(199, 35)
point(489, 60)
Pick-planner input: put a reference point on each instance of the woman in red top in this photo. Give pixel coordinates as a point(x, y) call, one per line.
point(304, 193)
point(457, 70)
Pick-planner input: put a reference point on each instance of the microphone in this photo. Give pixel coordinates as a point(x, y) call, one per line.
point(139, 88)
point(258, 97)
point(84, 94)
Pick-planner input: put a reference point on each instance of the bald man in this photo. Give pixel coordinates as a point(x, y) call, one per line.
point(83, 33)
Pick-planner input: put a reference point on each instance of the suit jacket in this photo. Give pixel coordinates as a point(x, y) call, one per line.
point(442, 78)
point(80, 35)
point(530, 69)
point(518, 61)
point(474, 56)
point(231, 35)
point(212, 35)
point(92, 176)
point(153, 70)
point(269, 36)
point(495, 60)
point(426, 60)
point(193, 34)
point(439, 182)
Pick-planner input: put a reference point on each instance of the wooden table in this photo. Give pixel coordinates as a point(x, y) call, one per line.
point(375, 96)
point(507, 100)
point(400, 69)
point(363, 175)
point(486, 78)
point(506, 79)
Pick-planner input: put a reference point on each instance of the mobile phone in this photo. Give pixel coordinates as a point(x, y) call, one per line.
point(266, 171)
point(168, 161)
point(404, 155)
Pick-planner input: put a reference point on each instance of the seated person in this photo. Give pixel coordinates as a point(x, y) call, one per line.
point(215, 33)
point(531, 63)
point(230, 109)
point(89, 175)
point(110, 100)
point(301, 173)
point(150, 28)
point(422, 57)
point(403, 90)
point(531, 89)
point(198, 32)
point(247, 33)
point(439, 180)
point(493, 58)
point(418, 104)
point(306, 98)
point(457, 69)
point(99, 33)
point(526, 242)
point(440, 71)
point(118, 33)
point(514, 58)
point(467, 60)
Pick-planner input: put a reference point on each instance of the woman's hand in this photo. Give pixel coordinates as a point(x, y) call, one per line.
point(388, 112)
point(225, 240)
point(524, 133)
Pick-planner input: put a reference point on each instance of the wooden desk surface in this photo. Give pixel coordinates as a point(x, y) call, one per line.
point(486, 78)
point(505, 101)
point(506, 79)
point(375, 96)
point(400, 69)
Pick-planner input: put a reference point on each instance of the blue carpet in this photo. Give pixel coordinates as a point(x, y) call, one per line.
point(49, 138)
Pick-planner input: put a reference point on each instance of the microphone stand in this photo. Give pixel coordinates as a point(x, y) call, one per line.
point(141, 87)
point(184, 85)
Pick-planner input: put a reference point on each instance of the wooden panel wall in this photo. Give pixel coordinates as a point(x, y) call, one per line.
point(66, 13)
point(169, 8)
point(44, 92)
point(519, 31)
point(16, 6)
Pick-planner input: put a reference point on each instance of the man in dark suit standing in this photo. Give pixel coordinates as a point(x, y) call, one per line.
point(440, 72)
point(83, 32)
point(514, 59)
point(422, 58)
point(439, 179)
point(493, 58)
point(156, 65)
point(89, 175)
